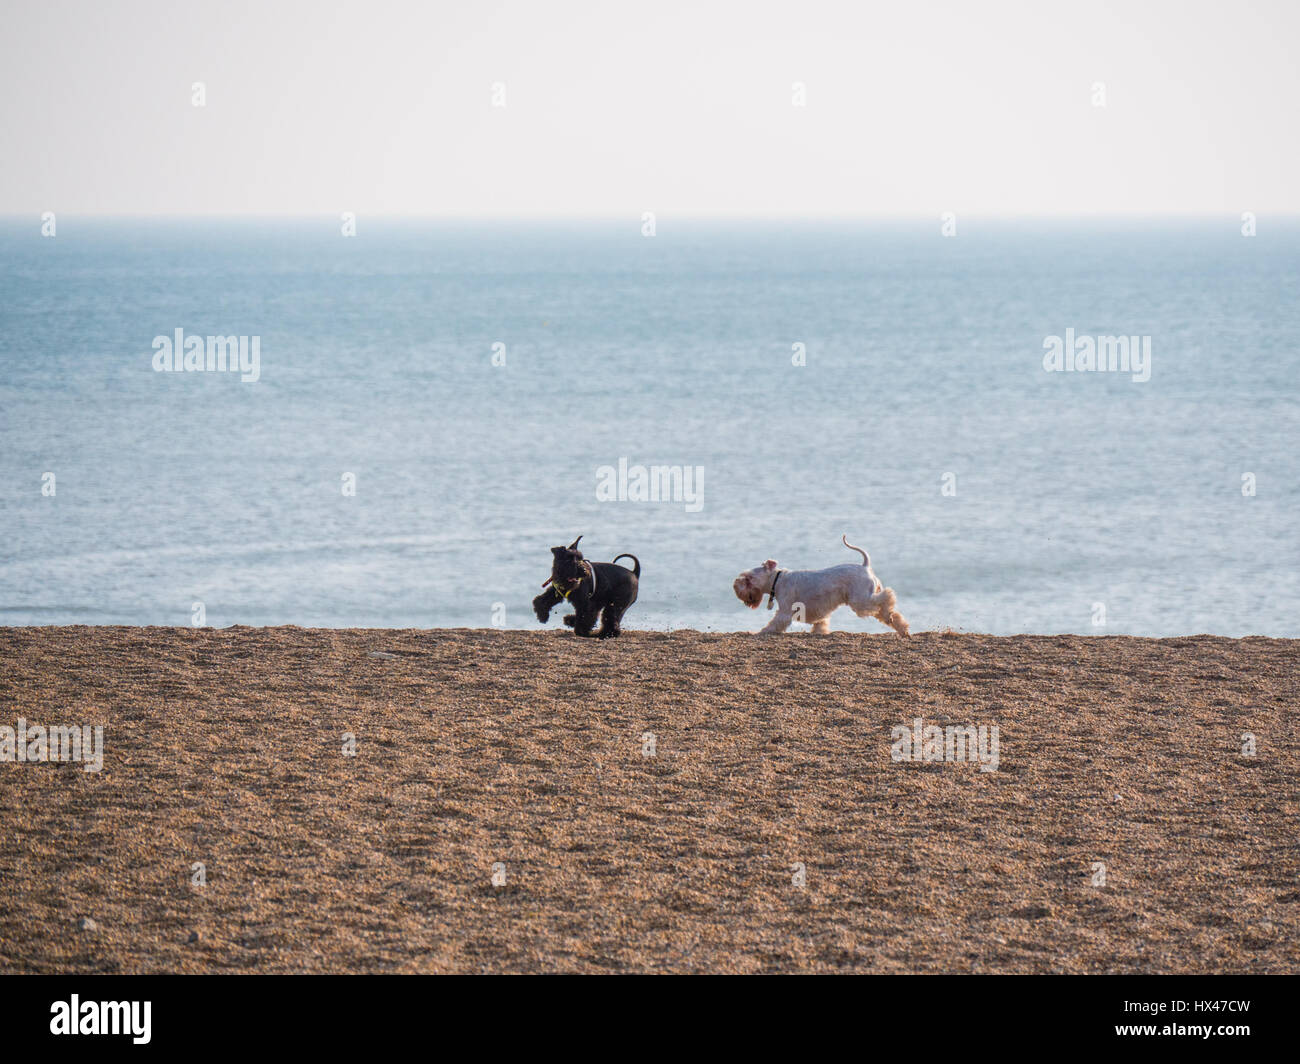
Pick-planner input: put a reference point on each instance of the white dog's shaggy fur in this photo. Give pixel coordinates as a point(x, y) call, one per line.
point(811, 595)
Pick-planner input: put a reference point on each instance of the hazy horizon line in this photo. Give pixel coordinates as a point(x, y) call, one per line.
point(12, 215)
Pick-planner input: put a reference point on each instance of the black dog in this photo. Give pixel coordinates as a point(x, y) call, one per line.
point(589, 587)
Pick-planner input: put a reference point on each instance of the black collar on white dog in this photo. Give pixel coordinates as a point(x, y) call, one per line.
point(771, 594)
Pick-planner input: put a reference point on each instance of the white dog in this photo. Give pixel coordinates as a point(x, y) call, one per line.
point(811, 595)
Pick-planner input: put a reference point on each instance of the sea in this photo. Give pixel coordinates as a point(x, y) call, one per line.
point(436, 403)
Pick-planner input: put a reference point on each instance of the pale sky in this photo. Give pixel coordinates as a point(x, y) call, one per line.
point(912, 108)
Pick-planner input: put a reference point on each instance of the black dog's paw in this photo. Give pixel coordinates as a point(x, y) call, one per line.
point(540, 608)
point(607, 633)
point(570, 619)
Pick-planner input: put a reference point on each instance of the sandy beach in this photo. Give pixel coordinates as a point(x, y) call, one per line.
point(667, 802)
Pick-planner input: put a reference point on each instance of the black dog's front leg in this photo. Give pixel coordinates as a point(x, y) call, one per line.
point(545, 602)
point(582, 621)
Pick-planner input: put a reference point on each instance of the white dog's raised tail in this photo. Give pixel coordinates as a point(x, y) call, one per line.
point(865, 559)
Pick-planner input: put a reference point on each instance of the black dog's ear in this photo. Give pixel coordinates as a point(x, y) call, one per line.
point(558, 550)
point(574, 544)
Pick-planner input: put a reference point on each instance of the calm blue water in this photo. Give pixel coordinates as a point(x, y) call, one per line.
point(924, 357)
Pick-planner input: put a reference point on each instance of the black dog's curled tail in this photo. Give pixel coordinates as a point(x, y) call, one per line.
point(636, 571)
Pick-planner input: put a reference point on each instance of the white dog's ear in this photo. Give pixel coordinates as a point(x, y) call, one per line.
point(769, 564)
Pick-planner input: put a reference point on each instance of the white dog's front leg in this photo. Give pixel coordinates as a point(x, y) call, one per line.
point(779, 623)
